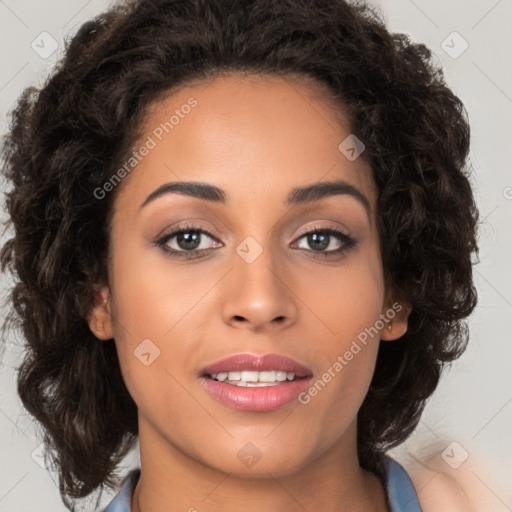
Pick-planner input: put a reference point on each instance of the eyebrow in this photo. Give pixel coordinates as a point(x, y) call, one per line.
point(298, 195)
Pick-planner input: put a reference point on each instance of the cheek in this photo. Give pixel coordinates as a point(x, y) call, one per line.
point(350, 314)
point(152, 293)
point(349, 299)
point(156, 315)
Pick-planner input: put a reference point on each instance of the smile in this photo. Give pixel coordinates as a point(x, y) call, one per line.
point(254, 379)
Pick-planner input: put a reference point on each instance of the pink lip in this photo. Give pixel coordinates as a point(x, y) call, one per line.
point(248, 361)
point(256, 398)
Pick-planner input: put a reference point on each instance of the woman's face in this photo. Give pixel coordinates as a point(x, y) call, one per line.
point(256, 284)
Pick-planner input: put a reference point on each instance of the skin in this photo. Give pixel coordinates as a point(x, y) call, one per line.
point(461, 488)
point(256, 138)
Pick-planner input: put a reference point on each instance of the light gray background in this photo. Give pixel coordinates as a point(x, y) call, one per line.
point(472, 406)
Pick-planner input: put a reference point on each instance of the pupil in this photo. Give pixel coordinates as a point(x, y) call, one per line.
point(313, 239)
point(185, 239)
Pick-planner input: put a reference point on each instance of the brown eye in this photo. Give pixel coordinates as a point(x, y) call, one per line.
point(320, 239)
point(187, 242)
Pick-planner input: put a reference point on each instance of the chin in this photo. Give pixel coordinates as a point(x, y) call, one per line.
point(252, 462)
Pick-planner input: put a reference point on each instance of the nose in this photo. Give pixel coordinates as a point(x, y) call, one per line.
point(258, 295)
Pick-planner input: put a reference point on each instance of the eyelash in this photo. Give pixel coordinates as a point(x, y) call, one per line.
point(347, 242)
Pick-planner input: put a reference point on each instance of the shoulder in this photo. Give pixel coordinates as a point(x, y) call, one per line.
point(438, 490)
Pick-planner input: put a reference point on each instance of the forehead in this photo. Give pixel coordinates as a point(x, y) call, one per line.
point(255, 137)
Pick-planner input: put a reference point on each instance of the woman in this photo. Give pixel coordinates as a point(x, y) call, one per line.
point(243, 236)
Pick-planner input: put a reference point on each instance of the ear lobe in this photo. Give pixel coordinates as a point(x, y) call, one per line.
point(99, 318)
point(396, 316)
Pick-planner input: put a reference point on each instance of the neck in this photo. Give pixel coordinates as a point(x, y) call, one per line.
point(173, 481)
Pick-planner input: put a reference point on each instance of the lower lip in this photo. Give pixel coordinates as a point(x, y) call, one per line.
point(257, 399)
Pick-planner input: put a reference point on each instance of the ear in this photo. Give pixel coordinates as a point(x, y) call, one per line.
point(99, 317)
point(396, 315)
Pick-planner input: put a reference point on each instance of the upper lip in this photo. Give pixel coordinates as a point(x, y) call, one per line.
point(253, 362)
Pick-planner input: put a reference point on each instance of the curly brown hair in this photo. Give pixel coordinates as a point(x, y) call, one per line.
point(68, 137)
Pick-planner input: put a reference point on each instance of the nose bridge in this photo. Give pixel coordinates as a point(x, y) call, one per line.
point(258, 294)
point(257, 264)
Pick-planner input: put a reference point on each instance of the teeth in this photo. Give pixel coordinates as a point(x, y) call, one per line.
point(249, 376)
point(281, 376)
point(244, 384)
point(252, 378)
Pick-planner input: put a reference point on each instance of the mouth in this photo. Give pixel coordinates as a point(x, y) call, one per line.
point(246, 368)
point(255, 379)
point(256, 383)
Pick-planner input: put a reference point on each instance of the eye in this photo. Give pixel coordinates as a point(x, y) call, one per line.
point(322, 238)
point(187, 244)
